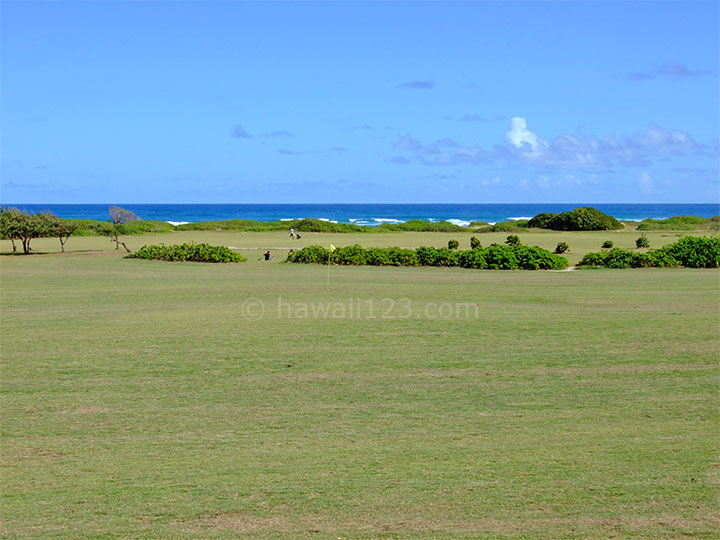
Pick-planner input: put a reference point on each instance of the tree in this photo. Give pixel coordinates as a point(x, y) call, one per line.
point(513, 240)
point(642, 242)
point(10, 220)
point(120, 215)
point(453, 244)
point(562, 247)
point(63, 229)
point(475, 243)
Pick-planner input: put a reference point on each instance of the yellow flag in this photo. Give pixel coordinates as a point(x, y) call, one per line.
point(332, 248)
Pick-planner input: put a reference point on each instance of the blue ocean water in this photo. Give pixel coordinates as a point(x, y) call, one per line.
point(367, 214)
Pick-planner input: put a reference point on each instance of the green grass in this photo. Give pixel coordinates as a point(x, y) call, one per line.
point(140, 401)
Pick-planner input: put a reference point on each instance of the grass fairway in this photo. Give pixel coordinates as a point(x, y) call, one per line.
point(144, 399)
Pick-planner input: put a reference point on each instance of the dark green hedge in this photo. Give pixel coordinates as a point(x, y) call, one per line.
point(494, 257)
point(690, 251)
point(190, 252)
point(580, 219)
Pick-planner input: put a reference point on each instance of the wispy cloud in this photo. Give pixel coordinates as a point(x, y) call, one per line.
point(666, 71)
point(279, 133)
point(418, 85)
point(646, 182)
point(473, 118)
point(523, 146)
point(238, 132)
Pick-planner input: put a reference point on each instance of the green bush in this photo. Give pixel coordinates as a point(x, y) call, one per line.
point(580, 219)
point(542, 220)
point(607, 244)
point(190, 252)
point(615, 258)
point(313, 254)
point(453, 244)
point(513, 240)
point(354, 255)
point(561, 248)
point(642, 241)
point(695, 251)
point(475, 242)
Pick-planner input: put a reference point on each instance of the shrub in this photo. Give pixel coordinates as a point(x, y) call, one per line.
point(354, 255)
point(695, 251)
point(642, 242)
point(377, 257)
point(607, 244)
point(501, 258)
point(310, 254)
point(475, 243)
point(191, 252)
point(453, 244)
point(615, 258)
point(580, 219)
point(473, 258)
point(513, 240)
point(562, 247)
point(542, 220)
point(447, 257)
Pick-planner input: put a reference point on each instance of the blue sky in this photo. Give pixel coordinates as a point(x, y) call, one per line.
point(469, 102)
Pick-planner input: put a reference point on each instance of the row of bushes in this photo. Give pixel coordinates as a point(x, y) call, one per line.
point(494, 257)
point(90, 227)
point(319, 225)
point(190, 252)
point(691, 251)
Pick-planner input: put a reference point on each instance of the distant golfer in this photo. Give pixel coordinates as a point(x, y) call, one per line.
point(292, 232)
point(268, 255)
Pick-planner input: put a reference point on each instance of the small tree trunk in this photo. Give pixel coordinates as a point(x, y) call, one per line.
point(13, 244)
point(62, 243)
point(26, 245)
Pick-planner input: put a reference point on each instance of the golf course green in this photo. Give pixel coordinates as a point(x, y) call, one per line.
point(147, 399)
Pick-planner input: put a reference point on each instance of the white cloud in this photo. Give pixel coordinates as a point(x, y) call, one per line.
point(519, 134)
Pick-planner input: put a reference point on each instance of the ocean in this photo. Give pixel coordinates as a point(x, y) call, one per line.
point(366, 214)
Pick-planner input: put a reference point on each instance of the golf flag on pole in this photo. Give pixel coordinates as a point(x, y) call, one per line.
point(332, 248)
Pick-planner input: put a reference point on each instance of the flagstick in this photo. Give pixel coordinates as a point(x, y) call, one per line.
point(328, 273)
